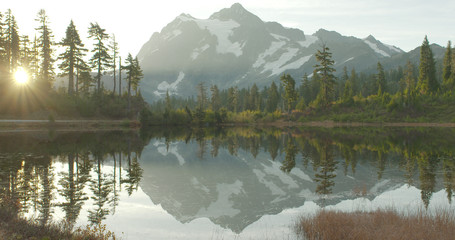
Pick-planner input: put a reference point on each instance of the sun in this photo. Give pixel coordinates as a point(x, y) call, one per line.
point(21, 76)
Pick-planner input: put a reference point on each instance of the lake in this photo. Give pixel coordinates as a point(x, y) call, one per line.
point(223, 183)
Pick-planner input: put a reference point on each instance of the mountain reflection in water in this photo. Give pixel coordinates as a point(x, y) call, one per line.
point(210, 179)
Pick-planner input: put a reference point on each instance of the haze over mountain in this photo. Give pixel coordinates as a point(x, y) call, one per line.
point(233, 47)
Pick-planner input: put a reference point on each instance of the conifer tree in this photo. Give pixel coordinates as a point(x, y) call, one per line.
point(134, 75)
point(427, 71)
point(25, 56)
point(46, 70)
point(215, 101)
point(409, 81)
point(138, 75)
point(447, 70)
point(101, 60)
point(12, 41)
point(348, 91)
point(380, 80)
point(273, 98)
point(114, 52)
point(85, 81)
point(120, 76)
point(290, 95)
point(327, 79)
point(72, 57)
point(34, 60)
point(253, 98)
point(233, 99)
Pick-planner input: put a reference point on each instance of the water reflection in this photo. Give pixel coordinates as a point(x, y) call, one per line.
point(231, 176)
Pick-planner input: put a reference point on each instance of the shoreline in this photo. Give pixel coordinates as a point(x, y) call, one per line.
point(7, 125)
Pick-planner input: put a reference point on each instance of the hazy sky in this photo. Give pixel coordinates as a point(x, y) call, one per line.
point(402, 23)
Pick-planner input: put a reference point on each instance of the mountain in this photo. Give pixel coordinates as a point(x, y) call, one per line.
point(234, 47)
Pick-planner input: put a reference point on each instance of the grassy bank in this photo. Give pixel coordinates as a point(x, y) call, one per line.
point(380, 224)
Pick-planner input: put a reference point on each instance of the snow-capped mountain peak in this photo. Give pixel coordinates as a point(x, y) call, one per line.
point(234, 47)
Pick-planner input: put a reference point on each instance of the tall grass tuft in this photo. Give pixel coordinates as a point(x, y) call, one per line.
point(380, 224)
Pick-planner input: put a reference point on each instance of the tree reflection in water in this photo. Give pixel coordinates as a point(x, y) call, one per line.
point(28, 161)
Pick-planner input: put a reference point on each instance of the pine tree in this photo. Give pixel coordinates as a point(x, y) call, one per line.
point(215, 101)
point(447, 70)
point(233, 99)
point(114, 52)
point(253, 98)
point(380, 80)
point(327, 79)
point(273, 98)
point(120, 76)
point(290, 95)
point(34, 60)
point(427, 71)
point(409, 82)
point(134, 75)
point(25, 56)
point(46, 71)
point(101, 60)
point(85, 82)
point(138, 75)
point(72, 57)
point(348, 91)
point(12, 42)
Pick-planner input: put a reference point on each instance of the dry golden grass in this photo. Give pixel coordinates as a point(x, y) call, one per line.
point(380, 224)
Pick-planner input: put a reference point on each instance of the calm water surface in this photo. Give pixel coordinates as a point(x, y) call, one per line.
point(242, 183)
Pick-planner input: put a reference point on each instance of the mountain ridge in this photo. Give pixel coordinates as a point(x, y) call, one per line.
point(234, 47)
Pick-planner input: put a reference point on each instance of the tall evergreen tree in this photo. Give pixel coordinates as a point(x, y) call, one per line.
point(34, 60)
point(138, 75)
point(447, 70)
point(427, 71)
point(72, 57)
point(380, 80)
point(215, 101)
point(101, 60)
point(290, 95)
point(12, 41)
point(327, 79)
point(25, 56)
point(134, 75)
point(46, 71)
point(120, 76)
point(233, 99)
point(273, 98)
point(114, 53)
point(253, 98)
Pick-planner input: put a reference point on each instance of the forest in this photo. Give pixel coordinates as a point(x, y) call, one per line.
point(409, 93)
point(28, 73)
point(29, 68)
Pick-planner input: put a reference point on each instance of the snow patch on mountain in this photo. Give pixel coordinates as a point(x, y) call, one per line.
point(168, 37)
point(198, 51)
point(393, 48)
point(274, 46)
point(309, 40)
point(222, 30)
point(164, 86)
point(283, 62)
point(347, 60)
point(376, 48)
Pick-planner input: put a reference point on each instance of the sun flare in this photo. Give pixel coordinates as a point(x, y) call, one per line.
point(21, 76)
